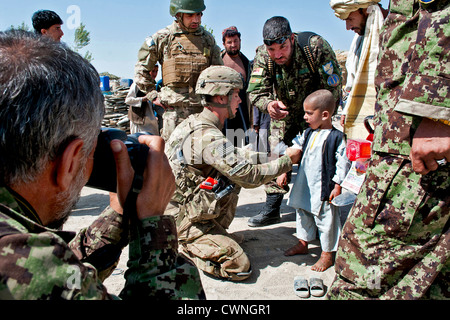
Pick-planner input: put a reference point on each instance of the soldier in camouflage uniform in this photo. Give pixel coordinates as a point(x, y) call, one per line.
point(396, 241)
point(51, 109)
point(283, 76)
point(198, 150)
point(183, 49)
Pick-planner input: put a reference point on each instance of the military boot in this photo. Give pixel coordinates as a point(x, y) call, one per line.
point(270, 214)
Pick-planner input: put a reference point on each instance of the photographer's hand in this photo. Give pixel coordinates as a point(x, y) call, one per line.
point(159, 182)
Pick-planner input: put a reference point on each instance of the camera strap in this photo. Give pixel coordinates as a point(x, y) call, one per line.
point(129, 207)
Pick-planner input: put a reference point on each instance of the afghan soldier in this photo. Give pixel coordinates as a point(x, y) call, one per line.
point(287, 68)
point(46, 156)
point(210, 172)
point(396, 241)
point(183, 49)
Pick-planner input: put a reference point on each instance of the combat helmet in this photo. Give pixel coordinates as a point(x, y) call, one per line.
point(219, 81)
point(186, 6)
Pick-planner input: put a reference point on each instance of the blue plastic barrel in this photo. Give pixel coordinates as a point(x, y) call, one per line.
point(126, 82)
point(104, 83)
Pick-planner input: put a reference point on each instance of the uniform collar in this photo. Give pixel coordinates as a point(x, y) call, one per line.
point(208, 116)
point(16, 202)
point(175, 28)
point(21, 211)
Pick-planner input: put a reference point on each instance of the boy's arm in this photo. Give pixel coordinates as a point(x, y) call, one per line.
point(297, 144)
point(335, 192)
point(342, 164)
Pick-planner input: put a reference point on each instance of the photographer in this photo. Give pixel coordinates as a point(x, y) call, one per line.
point(51, 109)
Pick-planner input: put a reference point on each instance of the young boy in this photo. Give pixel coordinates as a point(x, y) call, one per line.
point(322, 169)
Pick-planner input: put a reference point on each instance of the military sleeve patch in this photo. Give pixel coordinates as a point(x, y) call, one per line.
point(238, 167)
point(225, 150)
point(333, 80)
point(258, 72)
point(150, 42)
point(255, 80)
point(328, 68)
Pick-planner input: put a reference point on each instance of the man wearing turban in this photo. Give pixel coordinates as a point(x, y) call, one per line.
point(365, 18)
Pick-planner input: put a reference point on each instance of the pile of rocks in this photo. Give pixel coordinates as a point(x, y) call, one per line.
point(116, 110)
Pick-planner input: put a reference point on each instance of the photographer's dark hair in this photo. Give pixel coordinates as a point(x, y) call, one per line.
point(44, 19)
point(276, 27)
point(50, 95)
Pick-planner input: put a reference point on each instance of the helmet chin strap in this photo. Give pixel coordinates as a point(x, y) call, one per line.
point(231, 115)
point(179, 19)
point(219, 105)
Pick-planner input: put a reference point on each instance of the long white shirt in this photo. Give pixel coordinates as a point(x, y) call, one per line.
point(306, 191)
point(134, 101)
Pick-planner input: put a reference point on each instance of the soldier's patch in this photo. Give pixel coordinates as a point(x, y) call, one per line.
point(333, 80)
point(238, 167)
point(258, 72)
point(303, 71)
point(207, 52)
point(254, 83)
point(328, 68)
point(255, 80)
point(224, 150)
point(150, 42)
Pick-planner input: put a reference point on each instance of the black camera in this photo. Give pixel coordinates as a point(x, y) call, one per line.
point(104, 175)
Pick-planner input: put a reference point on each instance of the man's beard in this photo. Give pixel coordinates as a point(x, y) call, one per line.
point(233, 53)
point(359, 31)
point(66, 201)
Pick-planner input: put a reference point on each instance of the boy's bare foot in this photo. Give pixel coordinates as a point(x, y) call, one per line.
point(326, 260)
point(300, 248)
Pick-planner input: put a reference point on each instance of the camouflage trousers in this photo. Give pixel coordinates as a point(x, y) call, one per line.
point(396, 241)
point(173, 116)
point(277, 135)
point(218, 254)
point(208, 244)
point(272, 186)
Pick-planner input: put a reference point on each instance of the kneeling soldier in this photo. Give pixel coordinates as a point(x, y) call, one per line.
point(210, 172)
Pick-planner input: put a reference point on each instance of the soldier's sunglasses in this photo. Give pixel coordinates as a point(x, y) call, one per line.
point(280, 40)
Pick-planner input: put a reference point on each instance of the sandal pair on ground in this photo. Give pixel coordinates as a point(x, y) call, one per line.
point(315, 288)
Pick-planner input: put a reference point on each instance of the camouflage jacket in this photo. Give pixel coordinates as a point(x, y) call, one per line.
point(158, 48)
point(412, 75)
point(208, 153)
point(395, 242)
point(292, 84)
point(40, 263)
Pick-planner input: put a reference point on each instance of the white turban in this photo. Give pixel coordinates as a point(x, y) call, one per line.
point(343, 8)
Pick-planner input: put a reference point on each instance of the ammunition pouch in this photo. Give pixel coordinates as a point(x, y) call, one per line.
point(201, 205)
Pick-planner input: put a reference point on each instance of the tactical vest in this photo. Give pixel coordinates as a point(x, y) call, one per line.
point(188, 178)
point(197, 206)
point(188, 56)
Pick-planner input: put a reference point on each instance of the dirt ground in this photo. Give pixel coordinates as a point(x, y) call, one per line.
point(273, 273)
